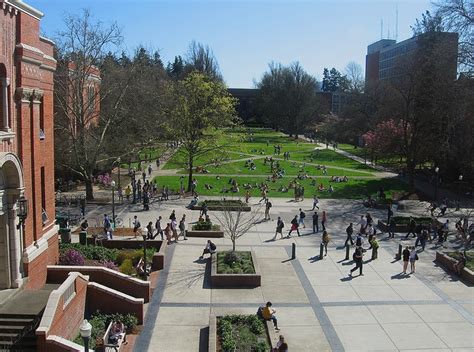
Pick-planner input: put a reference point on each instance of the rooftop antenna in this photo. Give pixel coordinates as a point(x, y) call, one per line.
point(381, 29)
point(396, 22)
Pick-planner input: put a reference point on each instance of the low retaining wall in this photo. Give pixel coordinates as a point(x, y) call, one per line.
point(448, 263)
point(224, 208)
point(104, 276)
point(235, 280)
point(207, 234)
point(382, 225)
point(111, 301)
point(158, 261)
point(64, 312)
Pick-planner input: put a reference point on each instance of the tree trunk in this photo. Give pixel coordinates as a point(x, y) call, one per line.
point(233, 245)
point(89, 189)
point(190, 173)
point(411, 175)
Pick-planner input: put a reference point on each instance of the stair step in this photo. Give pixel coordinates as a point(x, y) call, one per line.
point(17, 316)
point(16, 329)
point(15, 321)
point(7, 336)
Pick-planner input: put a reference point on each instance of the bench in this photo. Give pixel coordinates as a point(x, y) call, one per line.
point(273, 335)
point(112, 347)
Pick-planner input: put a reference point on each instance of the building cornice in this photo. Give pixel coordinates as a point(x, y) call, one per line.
point(25, 8)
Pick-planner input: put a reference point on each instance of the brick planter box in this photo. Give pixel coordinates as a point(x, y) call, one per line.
point(235, 280)
point(448, 263)
point(99, 231)
point(207, 234)
point(382, 225)
point(212, 345)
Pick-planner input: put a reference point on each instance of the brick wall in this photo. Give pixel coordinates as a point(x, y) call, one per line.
point(111, 301)
point(36, 269)
point(107, 277)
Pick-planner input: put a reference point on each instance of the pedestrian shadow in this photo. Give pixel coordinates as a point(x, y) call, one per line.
point(347, 278)
point(315, 259)
point(349, 262)
point(400, 276)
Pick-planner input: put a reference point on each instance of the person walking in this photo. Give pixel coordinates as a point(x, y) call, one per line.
point(413, 259)
point(279, 228)
point(149, 230)
point(294, 226)
point(315, 222)
point(323, 220)
point(174, 229)
point(315, 202)
point(389, 213)
point(158, 228)
point(326, 238)
point(349, 232)
point(136, 226)
point(411, 228)
point(357, 257)
point(182, 227)
point(406, 258)
point(363, 224)
point(302, 216)
point(268, 205)
point(391, 228)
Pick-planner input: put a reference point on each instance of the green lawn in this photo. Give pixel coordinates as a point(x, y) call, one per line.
point(147, 155)
point(353, 189)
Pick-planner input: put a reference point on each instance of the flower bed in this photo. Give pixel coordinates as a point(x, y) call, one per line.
point(123, 260)
point(99, 231)
point(235, 269)
point(241, 333)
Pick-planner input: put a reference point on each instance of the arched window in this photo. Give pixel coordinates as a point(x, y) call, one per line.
point(4, 98)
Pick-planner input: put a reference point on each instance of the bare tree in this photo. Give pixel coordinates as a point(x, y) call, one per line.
point(355, 76)
point(80, 127)
point(201, 58)
point(236, 222)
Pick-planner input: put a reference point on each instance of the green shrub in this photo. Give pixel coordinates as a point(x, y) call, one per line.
point(242, 333)
point(206, 226)
point(235, 263)
point(127, 267)
point(90, 252)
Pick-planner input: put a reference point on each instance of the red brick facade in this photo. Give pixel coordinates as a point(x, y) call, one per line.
point(27, 144)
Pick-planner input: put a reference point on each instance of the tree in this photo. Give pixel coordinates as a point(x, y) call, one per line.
point(355, 77)
point(199, 108)
point(385, 139)
point(333, 81)
point(287, 97)
point(175, 69)
point(80, 128)
point(201, 58)
point(237, 222)
point(458, 16)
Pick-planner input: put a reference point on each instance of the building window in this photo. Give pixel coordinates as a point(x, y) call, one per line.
point(41, 120)
point(44, 215)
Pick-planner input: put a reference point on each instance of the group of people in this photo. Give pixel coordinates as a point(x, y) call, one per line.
point(171, 232)
point(299, 221)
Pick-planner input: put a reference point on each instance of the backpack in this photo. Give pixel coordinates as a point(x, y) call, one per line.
point(302, 215)
point(269, 205)
point(359, 241)
point(294, 221)
point(260, 313)
point(212, 246)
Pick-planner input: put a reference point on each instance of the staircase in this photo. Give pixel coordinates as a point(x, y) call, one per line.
point(20, 315)
point(17, 331)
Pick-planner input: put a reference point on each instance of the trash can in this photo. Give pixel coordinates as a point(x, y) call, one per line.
point(65, 235)
point(83, 238)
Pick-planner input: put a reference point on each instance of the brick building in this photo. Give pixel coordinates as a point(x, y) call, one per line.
point(26, 148)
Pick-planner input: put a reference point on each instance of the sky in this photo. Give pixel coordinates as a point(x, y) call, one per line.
point(247, 35)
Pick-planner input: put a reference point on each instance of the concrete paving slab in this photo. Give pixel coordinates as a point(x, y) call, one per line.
point(331, 293)
point(284, 293)
point(459, 335)
point(377, 293)
point(394, 314)
point(413, 336)
point(305, 338)
point(438, 313)
point(415, 292)
point(183, 316)
point(176, 339)
point(235, 295)
point(364, 338)
point(350, 315)
point(295, 316)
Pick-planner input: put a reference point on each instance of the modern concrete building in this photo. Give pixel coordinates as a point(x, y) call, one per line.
point(384, 55)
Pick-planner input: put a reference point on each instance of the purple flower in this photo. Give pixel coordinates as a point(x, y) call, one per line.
point(71, 257)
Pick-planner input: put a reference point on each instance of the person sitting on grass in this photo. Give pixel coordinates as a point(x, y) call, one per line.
point(321, 187)
point(210, 249)
point(268, 313)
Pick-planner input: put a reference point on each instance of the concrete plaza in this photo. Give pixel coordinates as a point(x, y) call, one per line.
point(319, 307)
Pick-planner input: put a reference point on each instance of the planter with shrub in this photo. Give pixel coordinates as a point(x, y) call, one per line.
point(235, 269)
point(224, 204)
point(205, 229)
point(402, 222)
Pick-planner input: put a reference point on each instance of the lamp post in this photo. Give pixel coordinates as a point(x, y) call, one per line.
point(22, 214)
point(113, 201)
point(144, 255)
point(436, 183)
point(119, 160)
point(86, 331)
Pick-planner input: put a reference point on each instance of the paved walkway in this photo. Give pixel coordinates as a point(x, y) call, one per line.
point(318, 306)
